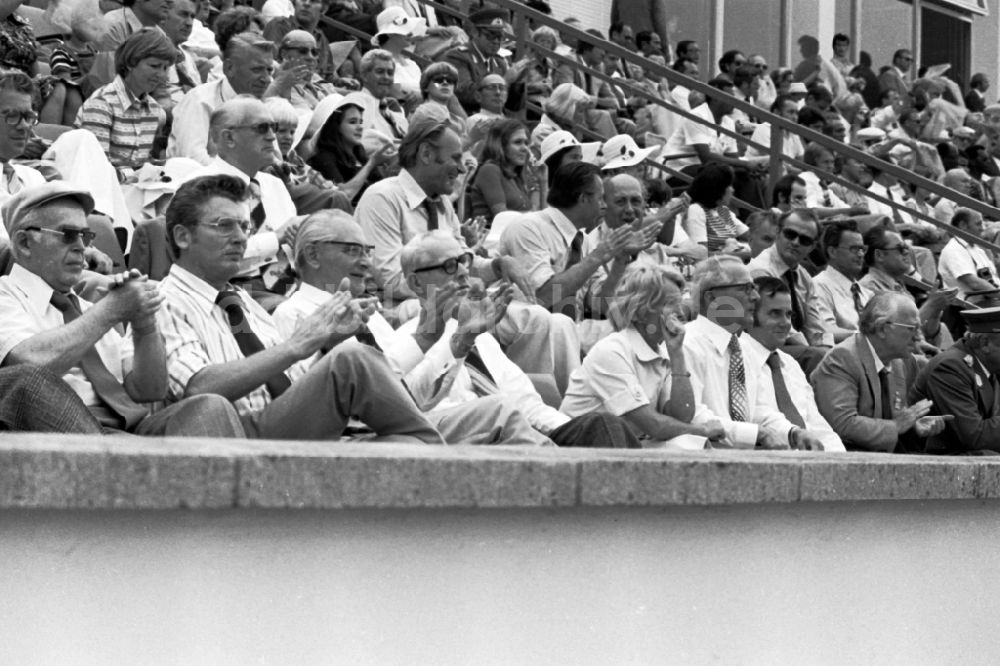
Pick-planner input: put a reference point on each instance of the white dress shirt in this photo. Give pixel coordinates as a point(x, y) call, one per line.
point(836, 303)
point(541, 241)
point(958, 259)
point(706, 352)
point(189, 131)
point(376, 128)
point(799, 390)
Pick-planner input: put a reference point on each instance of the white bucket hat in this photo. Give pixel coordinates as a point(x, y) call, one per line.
point(621, 151)
point(395, 21)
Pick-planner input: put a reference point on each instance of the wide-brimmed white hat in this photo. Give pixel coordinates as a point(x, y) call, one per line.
point(622, 151)
point(562, 140)
point(797, 88)
point(395, 21)
point(322, 113)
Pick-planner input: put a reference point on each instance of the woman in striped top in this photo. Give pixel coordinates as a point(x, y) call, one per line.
point(709, 220)
point(123, 115)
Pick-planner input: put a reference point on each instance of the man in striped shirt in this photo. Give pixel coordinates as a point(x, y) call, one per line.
point(219, 340)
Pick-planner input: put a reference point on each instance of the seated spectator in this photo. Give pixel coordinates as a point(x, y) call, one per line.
point(963, 266)
point(839, 296)
point(481, 57)
point(297, 79)
point(820, 197)
point(793, 395)
point(865, 382)
point(122, 115)
point(491, 95)
point(639, 372)
point(183, 75)
point(505, 180)
point(709, 220)
point(727, 388)
point(336, 149)
point(120, 24)
point(45, 323)
point(437, 85)
point(382, 116)
point(238, 20)
point(791, 145)
point(247, 68)
point(212, 328)
point(396, 32)
point(540, 67)
point(763, 229)
point(588, 56)
point(961, 383)
point(568, 108)
point(305, 16)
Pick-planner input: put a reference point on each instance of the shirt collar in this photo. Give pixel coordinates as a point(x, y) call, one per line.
point(837, 277)
point(878, 362)
point(37, 290)
point(884, 279)
point(226, 91)
point(205, 292)
point(222, 167)
point(125, 96)
point(718, 336)
point(415, 194)
point(312, 295)
point(643, 352)
point(776, 261)
point(760, 351)
point(562, 224)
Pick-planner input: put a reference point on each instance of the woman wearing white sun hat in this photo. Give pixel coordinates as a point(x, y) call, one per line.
point(621, 154)
point(396, 32)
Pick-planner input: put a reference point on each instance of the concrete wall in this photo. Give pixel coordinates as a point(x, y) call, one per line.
point(986, 47)
point(901, 582)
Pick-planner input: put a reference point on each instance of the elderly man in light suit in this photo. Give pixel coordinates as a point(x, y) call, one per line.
point(863, 382)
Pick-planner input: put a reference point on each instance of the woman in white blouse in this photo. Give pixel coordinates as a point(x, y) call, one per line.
point(639, 372)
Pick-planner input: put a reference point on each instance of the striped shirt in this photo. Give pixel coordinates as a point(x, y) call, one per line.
point(197, 334)
point(125, 125)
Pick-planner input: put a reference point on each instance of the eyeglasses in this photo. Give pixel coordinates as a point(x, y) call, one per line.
point(803, 240)
point(451, 265)
point(854, 249)
point(304, 50)
point(496, 87)
point(69, 236)
point(352, 250)
point(746, 287)
point(443, 80)
point(902, 249)
point(913, 328)
point(259, 128)
point(15, 118)
point(227, 226)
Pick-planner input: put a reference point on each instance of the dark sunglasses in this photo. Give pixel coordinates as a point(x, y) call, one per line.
point(451, 265)
point(69, 236)
point(803, 240)
point(259, 128)
point(443, 80)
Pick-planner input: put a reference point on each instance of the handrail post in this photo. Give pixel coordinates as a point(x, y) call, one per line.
point(775, 166)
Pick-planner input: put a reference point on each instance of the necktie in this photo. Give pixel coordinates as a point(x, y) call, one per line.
point(385, 107)
point(737, 381)
point(184, 78)
point(106, 386)
point(781, 394)
point(482, 380)
point(257, 214)
point(575, 249)
point(12, 182)
point(883, 380)
point(856, 294)
point(231, 303)
point(568, 305)
point(790, 280)
point(430, 206)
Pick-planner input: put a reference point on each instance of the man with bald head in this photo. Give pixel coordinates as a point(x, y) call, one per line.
point(243, 132)
point(864, 381)
point(957, 179)
point(247, 68)
point(305, 19)
point(297, 80)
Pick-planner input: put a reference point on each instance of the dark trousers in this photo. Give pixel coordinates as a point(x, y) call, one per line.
point(596, 431)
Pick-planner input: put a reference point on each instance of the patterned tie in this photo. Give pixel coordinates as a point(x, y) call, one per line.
point(430, 205)
point(105, 385)
point(737, 381)
point(248, 342)
point(883, 380)
point(790, 280)
point(856, 294)
point(781, 394)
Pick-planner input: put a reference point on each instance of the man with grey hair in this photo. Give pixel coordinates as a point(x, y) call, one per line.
point(382, 117)
point(962, 382)
point(726, 387)
point(247, 66)
point(243, 132)
point(117, 376)
point(864, 381)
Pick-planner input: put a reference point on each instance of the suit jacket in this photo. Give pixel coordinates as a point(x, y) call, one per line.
point(975, 102)
point(849, 395)
point(959, 385)
point(891, 80)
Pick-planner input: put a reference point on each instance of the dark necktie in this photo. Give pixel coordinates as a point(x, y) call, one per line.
point(737, 381)
point(568, 305)
point(106, 386)
point(248, 342)
point(883, 380)
point(12, 182)
point(430, 206)
point(856, 295)
point(781, 394)
point(385, 107)
point(482, 379)
point(184, 78)
point(790, 280)
point(257, 214)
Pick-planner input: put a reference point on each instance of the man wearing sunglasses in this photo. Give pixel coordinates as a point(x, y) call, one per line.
point(306, 19)
point(297, 79)
point(219, 340)
point(46, 324)
point(481, 56)
point(243, 132)
point(798, 232)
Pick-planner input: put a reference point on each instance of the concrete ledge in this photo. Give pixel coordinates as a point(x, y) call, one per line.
point(63, 472)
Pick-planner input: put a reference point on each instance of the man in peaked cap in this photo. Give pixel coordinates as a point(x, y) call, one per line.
point(481, 56)
point(963, 382)
point(44, 323)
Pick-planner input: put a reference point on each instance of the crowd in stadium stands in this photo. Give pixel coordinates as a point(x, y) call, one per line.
point(219, 221)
